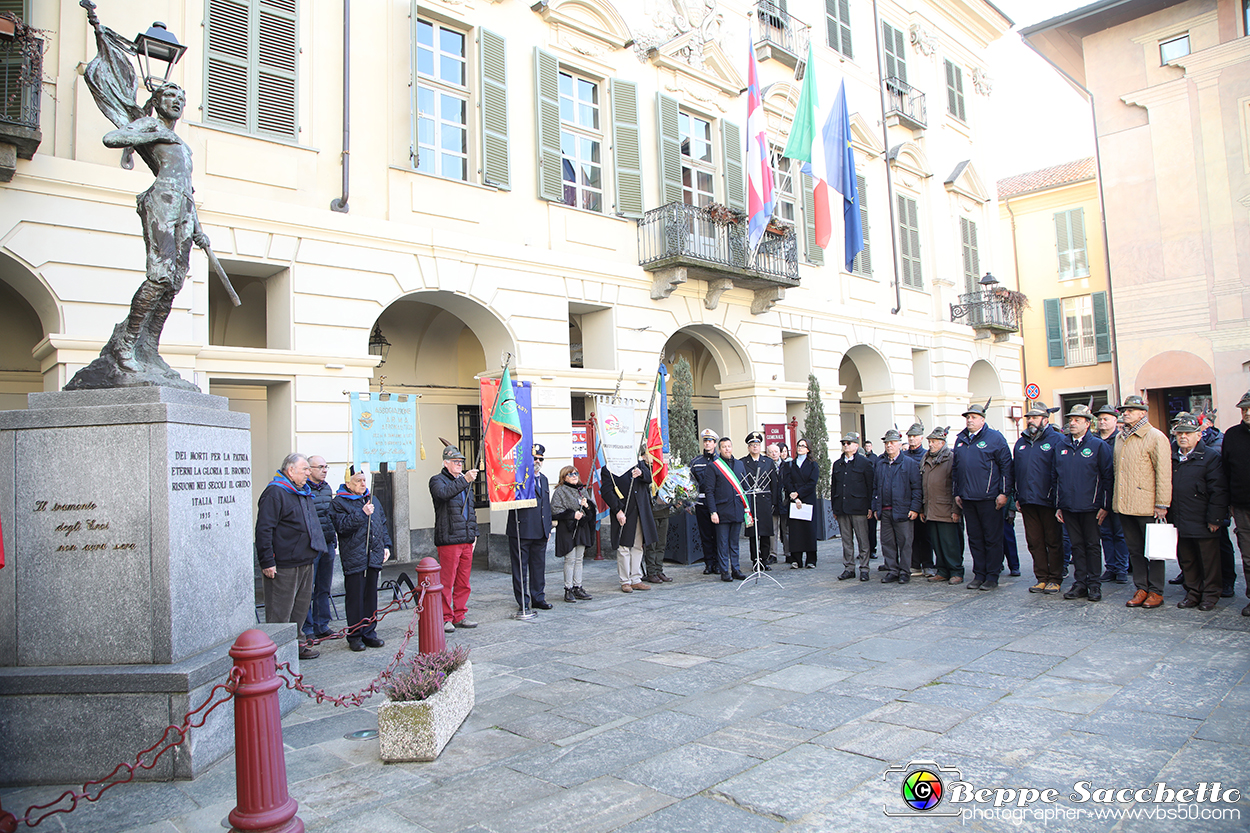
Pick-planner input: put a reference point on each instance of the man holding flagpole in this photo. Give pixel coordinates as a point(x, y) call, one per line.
point(821, 139)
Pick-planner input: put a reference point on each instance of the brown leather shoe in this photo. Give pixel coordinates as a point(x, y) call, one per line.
point(625, 588)
point(1138, 599)
point(1152, 601)
point(641, 585)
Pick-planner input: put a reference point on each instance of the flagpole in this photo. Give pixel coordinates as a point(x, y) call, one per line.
point(481, 451)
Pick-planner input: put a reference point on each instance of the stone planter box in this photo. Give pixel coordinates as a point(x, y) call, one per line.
point(418, 730)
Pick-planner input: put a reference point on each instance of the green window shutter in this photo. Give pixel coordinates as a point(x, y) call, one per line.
point(550, 160)
point(276, 59)
point(226, 93)
point(815, 254)
point(625, 145)
point(735, 187)
point(1080, 260)
point(17, 7)
point(909, 242)
point(670, 150)
point(1063, 242)
point(1054, 332)
point(838, 19)
point(493, 55)
point(1102, 326)
point(895, 56)
point(955, 91)
point(863, 261)
point(971, 258)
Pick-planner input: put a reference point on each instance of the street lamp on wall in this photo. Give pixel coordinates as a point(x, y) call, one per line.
point(157, 44)
point(378, 345)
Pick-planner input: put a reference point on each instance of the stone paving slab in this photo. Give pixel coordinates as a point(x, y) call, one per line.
point(700, 707)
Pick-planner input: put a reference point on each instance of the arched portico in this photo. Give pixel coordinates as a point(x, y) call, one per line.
point(985, 385)
point(28, 313)
point(723, 377)
point(867, 405)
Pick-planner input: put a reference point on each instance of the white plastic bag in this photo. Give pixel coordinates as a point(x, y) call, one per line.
point(1160, 542)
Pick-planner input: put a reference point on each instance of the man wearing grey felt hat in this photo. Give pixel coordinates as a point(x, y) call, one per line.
point(982, 478)
point(851, 490)
point(1033, 463)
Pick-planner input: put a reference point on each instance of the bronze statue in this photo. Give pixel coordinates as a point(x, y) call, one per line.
point(167, 210)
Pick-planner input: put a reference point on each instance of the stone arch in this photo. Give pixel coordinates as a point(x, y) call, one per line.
point(722, 374)
point(596, 18)
point(437, 311)
point(984, 383)
point(29, 313)
point(910, 158)
point(33, 289)
point(1173, 369)
point(867, 392)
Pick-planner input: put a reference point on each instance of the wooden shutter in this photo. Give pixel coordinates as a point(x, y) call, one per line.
point(955, 91)
point(733, 148)
point(670, 149)
point(625, 145)
point(1102, 326)
point(815, 254)
point(226, 93)
point(547, 85)
point(838, 17)
point(493, 56)
point(895, 56)
point(863, 261)
point(1080, 260)
point(972, 260)
point(276, 59)
point(1063, 243)
point(1054, 332)
point(909, 241)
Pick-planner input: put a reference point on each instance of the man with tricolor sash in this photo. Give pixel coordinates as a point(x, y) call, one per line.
point(727, 508)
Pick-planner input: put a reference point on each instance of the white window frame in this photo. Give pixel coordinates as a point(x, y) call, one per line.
point(578, 133)
point(1079, 346)
point(441, 89)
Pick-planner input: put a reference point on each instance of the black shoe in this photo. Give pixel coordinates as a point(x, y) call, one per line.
point(1245, 611)
point(1015, 572)
point(1186, 603)
point(889, 578)
point(726, 577)
point(1094, 594)
point(738, 576)
point(568, 595)
point(988, 585)
point(1107, 575)
point(975, 584)
point(373, 641)
point(1180, 579)
point(1205, 606)
point(872, 556)
point(306, 652)
point(863, 575)
point(1228, 592)
point(1121, 578)
point(1076, 592)
point(882, 568)
point(323, 634)
point(903, 578)
point(355, 644)
point(707, 571)
point(846, 574)
point(772, 559)
point(581, 595)
point(541, 605)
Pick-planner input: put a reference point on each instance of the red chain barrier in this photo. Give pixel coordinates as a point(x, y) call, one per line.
point(363, 624)
point(193, 720)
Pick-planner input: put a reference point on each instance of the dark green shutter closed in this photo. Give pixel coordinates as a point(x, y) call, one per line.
point(735, 187)
point(670, 149)
point(815, 254)
point(1054, 332)
point(495, 168)
point(1102, 326)
point(625, 146)
point(550, 159)
point(862, 264)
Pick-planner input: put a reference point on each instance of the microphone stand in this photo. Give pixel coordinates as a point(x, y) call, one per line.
point(761, 558)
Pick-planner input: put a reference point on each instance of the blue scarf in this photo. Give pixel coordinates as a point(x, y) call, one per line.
point(343, 492)
point(281, 480)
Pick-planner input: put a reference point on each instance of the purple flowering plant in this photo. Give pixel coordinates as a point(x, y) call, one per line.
point(420, 677)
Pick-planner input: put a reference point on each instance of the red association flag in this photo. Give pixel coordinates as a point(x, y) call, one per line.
point(657, 430)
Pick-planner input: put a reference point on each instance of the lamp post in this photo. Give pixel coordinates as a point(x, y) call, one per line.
point(157, 44)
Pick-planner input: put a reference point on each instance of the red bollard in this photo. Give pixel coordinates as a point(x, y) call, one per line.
point(430, 636)
point(259, 757)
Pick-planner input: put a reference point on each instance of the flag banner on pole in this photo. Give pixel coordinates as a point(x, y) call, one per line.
point(596, 479)
point(657, 439)
point(728, 474)
point(759, 163)
point(617, 433)
point(507, 443)
point(384, 429)
point(821, 138)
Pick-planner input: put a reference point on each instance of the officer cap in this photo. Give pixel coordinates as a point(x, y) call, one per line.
point(540, 451)
point(709, 434)
point(754, 437)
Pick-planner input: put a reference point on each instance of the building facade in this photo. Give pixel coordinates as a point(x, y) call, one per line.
point(1051, 225)
point(542, 180)
point(1170, 86)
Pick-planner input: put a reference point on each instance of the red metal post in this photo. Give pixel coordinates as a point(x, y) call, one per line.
point(260, 761)
point(430, 626)
point(8, 822)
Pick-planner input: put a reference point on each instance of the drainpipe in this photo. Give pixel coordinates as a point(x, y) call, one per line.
point(889, 177)
point(340, 203)
point(1102, 208)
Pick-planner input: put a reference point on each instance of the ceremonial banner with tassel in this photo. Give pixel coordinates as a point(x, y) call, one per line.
point(507, 443)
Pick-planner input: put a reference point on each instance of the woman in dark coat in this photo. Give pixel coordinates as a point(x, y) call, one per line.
point(799, 484)
point(574, 517)
point(364, 546)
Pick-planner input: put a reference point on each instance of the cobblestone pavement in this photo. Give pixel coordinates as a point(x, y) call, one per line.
point(704, 706)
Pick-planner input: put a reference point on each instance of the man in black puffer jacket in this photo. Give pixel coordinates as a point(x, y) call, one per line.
point(455, 533)
point(1199, 506)
point(317, 622)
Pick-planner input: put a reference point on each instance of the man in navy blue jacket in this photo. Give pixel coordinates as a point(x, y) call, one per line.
point(1084, 477)
point(1033, 467)
point(896, 501)
point(982, 478)
point(725, 508)
point(528, 531)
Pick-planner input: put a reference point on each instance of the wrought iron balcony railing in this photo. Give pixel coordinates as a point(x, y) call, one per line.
point(21, 73)
point(779, 34)
point(906, 102)
point(986, 311)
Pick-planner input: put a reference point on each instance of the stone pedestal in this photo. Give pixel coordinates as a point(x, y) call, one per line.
point(128, 543)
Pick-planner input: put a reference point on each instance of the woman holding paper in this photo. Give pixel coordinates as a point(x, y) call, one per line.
point(799, 483)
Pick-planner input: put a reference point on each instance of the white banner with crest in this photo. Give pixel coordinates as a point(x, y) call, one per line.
point(617, 432)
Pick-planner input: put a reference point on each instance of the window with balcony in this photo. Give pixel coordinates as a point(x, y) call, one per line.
point(1078, 330)
point(971, 258)
point(251, 66)
point(955, 91)
point(698, 171)
point(442, 91)
point(1070, 244)
point(895, 54)
point(581, 142)
point(838, 22)
point(783, 186)
point(909, 242)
